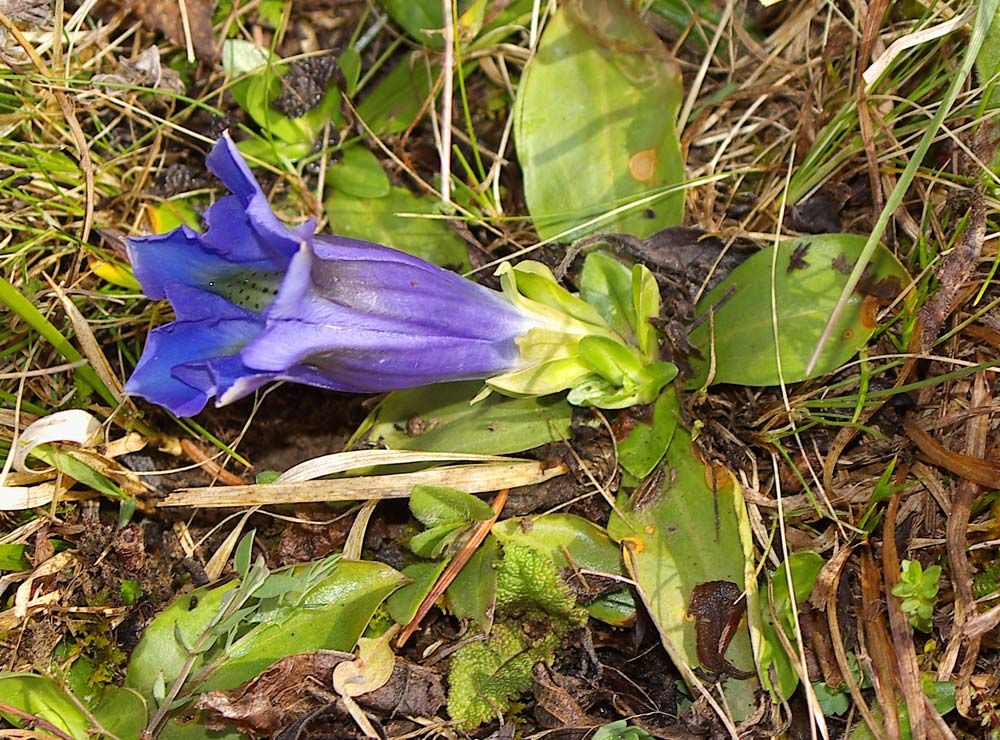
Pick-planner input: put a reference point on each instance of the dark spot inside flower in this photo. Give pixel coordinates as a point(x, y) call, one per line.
point(413, 283)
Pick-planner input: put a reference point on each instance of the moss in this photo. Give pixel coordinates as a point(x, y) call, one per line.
point(534, 611)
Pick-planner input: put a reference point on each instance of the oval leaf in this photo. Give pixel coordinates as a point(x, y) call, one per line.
point(595, 123)
point(809, 274)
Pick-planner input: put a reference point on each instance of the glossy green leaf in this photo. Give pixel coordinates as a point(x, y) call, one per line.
point(359, 173)
point(473, 593)
point(44, 698)
point(809, 274)
point(404, 603)
point(159, 656)
point(439, 418)
point(587, 546)
point(123, 712)
point(644, 447)
point(332, 617)
point(595, 122)
point(646, 306)
point(434, 505)
point(685, 534)
point(611, 360)
point(377, 220)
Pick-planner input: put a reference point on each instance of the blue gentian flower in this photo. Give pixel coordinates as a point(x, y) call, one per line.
point(256, 301)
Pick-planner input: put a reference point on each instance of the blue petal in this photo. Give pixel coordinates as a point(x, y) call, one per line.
point(393, 285)
point(436, 337)
point(214, 328)
point(242, 234)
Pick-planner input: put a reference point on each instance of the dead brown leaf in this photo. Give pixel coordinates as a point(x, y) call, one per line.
point(180, 21)
point(300, 684)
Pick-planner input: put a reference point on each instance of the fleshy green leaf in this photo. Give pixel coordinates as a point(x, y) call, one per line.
point(474, 591)
point(809, 274)
point(439, 418)
point(682, 533)
point(433, 505)
point(123, 712)
point(44, 697)
point(608, 135)
point(646, 444)
point(404, 603)
point(805, 568)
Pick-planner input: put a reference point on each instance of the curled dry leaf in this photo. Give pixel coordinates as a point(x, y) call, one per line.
point(282, 693)
point(145, 70)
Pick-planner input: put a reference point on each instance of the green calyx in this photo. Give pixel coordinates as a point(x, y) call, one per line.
point(581, 346)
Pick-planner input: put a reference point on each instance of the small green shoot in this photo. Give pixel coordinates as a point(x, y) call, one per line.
point(131, 591)
point(621, 730)
point(918, 589)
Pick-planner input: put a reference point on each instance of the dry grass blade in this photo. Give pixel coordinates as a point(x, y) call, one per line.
point(906, 655)
point(471, 478)
point(340, 462)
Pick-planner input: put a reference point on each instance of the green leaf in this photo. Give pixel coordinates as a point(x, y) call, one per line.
point(606, 284)
point(123, 712)
point(572, 541)
point(45, 698)
point(350, 66)
point(359, 173)
point(332, 617)
point(641, 451)
point(621, 730)
point(805, 568)
point(377, 220)
point(433, 505)
point(439, 418)
point(988, 61)
point(159, 656)
point(646, 306)
point(686, 533)
point(432, 542)
point(608, 135)
point(809, 274)
point(473, 593)
point(404, 603)
point(12, 557)
point(611, 360)
point(256, 91)
point(77, 470)
point(243, 553)
point(398, 99)
point(418, 16)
